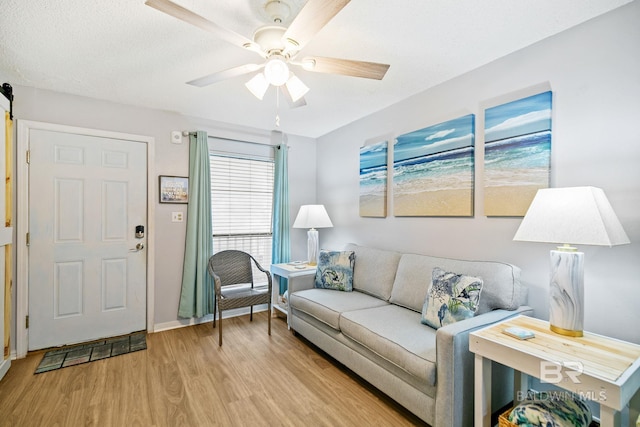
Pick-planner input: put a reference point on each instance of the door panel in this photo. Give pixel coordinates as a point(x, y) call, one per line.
point(114, 284)
point(69, 195)
point(86, 196)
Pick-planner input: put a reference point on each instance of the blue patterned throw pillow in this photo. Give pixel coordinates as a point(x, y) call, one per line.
point(550, 409)
point(335, 270)
point(450, 298)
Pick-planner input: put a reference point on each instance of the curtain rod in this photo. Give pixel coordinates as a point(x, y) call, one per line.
point(187, 133)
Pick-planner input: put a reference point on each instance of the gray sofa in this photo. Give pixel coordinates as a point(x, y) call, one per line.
point(376, 330)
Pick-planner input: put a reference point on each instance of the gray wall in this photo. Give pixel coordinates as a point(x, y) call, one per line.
point(594, 73)
point(170, 159)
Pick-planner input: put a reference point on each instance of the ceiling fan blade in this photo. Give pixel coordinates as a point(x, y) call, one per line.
point(223, 75)
point(193, 18)
point(346, 67)
point(292, 104)
point(315, 14)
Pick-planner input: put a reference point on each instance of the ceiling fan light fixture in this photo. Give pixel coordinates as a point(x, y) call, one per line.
point(296, 88)
point(258, 85)
point(276, 70)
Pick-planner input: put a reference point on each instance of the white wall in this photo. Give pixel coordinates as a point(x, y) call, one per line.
point(170, 159)
point(594, 73)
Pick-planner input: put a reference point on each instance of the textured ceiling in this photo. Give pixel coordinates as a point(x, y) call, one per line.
point(124, 51)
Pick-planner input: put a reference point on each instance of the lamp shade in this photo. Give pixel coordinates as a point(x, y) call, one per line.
point(312, 216)
point(574, 215)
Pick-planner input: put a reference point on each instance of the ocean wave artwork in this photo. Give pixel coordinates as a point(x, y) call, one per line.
point(517, 154)
point(373, 180)
point(433, 170)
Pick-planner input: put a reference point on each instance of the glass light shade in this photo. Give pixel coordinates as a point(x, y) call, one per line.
point(296, 88)
point(258, 85)
point(276, 70)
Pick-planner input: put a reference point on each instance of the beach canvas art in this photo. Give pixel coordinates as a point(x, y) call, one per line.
point(517, 154)
point(433, 170)
point(373, 180)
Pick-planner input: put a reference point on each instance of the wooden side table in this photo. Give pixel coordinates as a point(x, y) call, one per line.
point(288, 271)
point(595, 367)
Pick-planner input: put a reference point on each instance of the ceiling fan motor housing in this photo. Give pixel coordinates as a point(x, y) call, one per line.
point(269, 38)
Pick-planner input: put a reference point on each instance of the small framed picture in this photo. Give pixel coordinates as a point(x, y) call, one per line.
point(174, 189)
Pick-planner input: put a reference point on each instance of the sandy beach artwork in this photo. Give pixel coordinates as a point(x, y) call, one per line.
point(433, 170)
point(373, 180)
point(517, 154)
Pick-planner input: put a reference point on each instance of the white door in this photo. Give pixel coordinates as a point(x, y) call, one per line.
point(87, 280)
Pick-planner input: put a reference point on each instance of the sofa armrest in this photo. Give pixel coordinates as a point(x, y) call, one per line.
point(455, 367)
point(301, 283)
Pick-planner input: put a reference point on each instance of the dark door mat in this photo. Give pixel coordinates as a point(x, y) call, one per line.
point(98, 350)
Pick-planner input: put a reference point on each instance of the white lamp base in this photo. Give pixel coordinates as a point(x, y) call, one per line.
point(566, 305)
point(313, 246)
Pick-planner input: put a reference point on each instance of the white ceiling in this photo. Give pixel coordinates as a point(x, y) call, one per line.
point(124, 51)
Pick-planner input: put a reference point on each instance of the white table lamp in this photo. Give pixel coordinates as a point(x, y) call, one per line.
point(312, 217)
point(577, 215)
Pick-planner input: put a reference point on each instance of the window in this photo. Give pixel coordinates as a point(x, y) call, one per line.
point(241, 205)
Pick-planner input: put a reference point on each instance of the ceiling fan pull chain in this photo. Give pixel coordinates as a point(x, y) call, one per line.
point(277, 108)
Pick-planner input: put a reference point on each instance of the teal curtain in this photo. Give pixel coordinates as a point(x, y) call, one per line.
point(280, 244)
point(196, 296)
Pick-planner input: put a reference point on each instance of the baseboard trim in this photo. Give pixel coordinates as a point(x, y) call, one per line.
point(181, 323)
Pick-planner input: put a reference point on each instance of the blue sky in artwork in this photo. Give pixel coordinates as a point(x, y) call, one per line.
point(521, 117)
point(374, 155)
point(450, 135)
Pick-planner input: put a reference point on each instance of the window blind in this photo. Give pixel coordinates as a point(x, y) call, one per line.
point(241, 205)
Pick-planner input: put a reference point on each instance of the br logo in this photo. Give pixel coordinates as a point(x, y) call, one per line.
point(552, 372)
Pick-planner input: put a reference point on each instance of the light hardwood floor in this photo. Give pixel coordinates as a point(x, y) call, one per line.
point(185, 379)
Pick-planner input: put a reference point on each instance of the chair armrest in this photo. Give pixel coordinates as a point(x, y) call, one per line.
point(455, 367)
point(217, 284)
point(266, 272)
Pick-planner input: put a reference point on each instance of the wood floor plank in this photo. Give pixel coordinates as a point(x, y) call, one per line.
point(185, 379)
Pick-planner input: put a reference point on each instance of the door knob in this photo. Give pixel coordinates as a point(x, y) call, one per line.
point(138, 248)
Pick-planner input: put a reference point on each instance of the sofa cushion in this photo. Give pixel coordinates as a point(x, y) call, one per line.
point(501, 288)
point(326, 305)
point(335, 270)
point(395, 334)
point(374, 270)
point(450, 298)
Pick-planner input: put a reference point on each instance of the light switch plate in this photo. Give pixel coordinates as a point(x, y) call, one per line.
point(177, 217)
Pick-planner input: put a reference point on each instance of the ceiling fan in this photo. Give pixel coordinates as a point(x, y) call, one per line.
point(279, 47)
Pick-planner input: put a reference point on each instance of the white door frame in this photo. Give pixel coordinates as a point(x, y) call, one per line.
point(22, 215)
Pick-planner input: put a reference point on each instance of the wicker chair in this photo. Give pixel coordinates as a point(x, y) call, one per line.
point(233, 282)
